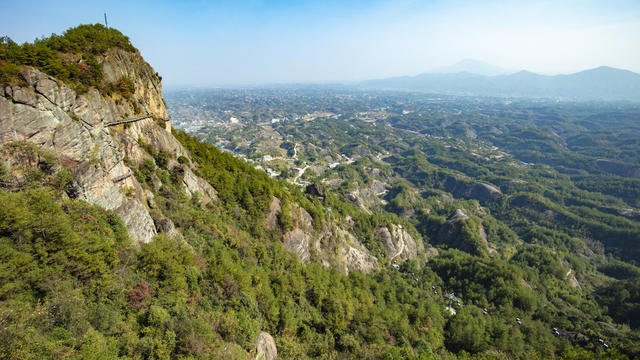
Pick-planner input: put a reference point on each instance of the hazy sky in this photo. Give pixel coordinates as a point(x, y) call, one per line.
point(204, 43)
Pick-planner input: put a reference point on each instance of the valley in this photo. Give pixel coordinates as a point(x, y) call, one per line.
point(493, 178)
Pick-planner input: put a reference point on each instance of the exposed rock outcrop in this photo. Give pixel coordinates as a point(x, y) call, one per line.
point(366, 197)
point(299, 243)
point(354, 254)
point(357, 259)
point(47, 113)
point(271, 220)
point(265, 347)
point(167, 226)
point(315, 190)
point(194, 184)
point(399, 244)
point(332, 246)
point(148, 88)
point(44, 114)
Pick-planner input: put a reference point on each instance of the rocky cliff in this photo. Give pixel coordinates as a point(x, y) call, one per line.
point(79, 129)
point(331, 246)
point(398, 242)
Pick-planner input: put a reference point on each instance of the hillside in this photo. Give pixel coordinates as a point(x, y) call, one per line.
point(603, 83)
point(121, 237)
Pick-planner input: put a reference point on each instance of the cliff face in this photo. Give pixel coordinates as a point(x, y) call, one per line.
point(331, 246)
point(399, 244)
point(44, 111)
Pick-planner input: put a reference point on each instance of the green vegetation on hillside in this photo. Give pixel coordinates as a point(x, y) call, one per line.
point(556, 245)
point(74, 285)
point(521, 260)
point(70, 57)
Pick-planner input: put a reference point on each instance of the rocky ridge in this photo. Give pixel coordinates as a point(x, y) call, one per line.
point(331, 246)
point(47, 113)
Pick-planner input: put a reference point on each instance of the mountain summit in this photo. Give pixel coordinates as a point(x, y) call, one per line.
point(471, 66)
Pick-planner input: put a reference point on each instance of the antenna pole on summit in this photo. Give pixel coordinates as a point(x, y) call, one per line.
point(106, 24)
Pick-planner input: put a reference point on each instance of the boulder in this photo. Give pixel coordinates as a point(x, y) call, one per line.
point(265, 347)
point(271, 220)
point(165, 225)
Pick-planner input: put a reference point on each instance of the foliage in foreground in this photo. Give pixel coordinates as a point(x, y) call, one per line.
point(73, 286)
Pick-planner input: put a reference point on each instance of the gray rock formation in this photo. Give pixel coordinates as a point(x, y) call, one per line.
point(49, 114)
point(166, 226)
point(399, 244)
point(148, 88)
point(265, 347)
point(331, 246)
point(366, 197)
point(357, 259)
point(194, 184)
point(271, 220)
point(457, 215)
point(298, 242)
point(44, 114)
point(354, 254)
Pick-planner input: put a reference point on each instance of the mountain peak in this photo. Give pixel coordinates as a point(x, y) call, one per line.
point(472, 66)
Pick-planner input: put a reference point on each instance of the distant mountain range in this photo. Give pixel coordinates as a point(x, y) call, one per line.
point(474, 67)
point(602, 83)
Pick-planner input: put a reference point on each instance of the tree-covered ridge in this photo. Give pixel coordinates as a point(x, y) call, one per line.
point(71, 57)
point(74, 286)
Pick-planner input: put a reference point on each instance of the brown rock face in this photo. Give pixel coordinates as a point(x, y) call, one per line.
point(148, 87)
point(52, 116)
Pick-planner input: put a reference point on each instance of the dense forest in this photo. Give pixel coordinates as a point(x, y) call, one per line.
point(74, 284)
